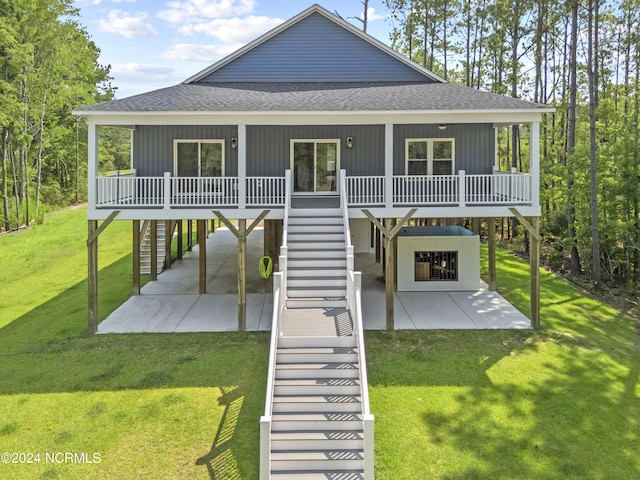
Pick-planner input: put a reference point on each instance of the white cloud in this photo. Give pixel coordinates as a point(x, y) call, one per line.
point(122, 23)
point(195, 11)
point(234, 30)
point(200, 53)
point(372, 16)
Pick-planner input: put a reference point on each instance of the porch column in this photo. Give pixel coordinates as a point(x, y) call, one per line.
point(153, 260)
point(241, 233)
point(92, 277)
point(201, 232)
point(390, 231)
point(92, 166)
point(168, 239)
point(93, 233)
point(534, 265)
point(242, 166)
point(534, 162)
point(180, 242)
point(491, 240)
point(533, 227)
point(136, 257)
point(388, 165)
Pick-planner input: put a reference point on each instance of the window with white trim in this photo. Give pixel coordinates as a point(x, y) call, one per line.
point(199, 158)
point(430, 156)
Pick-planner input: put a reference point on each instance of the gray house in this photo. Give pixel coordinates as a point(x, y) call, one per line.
point(316, 113)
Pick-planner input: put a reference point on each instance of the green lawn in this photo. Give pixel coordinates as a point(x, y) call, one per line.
point(556, 404)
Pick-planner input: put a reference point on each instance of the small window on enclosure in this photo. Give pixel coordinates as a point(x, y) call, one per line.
point(436, 266)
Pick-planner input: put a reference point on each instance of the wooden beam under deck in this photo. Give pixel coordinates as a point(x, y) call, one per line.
point(202, 255)
point(389, 230)
point(93, 232)
point(136, 256)
point(241, 233)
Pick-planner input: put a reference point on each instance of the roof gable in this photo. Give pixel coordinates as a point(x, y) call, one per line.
point(315, 46)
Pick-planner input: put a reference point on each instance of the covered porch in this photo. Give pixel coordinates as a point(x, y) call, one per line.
point(173, 304)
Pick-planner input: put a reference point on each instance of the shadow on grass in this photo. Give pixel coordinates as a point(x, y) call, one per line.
point(48, 351)
point(220, 461)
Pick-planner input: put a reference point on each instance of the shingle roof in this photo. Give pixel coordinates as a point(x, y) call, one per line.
point(313, 97)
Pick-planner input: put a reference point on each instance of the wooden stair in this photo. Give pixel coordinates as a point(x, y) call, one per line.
point(317, 429)
point(145, 247)
point(317, 263)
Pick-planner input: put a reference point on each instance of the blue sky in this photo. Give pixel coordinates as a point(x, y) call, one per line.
point(152, 44)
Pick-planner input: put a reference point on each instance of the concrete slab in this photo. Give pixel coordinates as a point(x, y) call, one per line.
point(173, 304)
point(149, 313)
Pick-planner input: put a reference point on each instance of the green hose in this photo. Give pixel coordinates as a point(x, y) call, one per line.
point(265, 267)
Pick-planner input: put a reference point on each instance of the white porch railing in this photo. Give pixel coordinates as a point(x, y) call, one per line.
point(170, 192)
point(425, 189)
point(365, 190)
point(203, 191)
point(498, 188)
point(266, 191)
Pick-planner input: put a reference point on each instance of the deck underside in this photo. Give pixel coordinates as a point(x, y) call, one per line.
point(172, 304)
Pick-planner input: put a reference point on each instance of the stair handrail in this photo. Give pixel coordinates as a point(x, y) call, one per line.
point(354, 305)
point(345, 217)
point(265, 420)
point(354, 295)
point(284, 255)
point(279, 298)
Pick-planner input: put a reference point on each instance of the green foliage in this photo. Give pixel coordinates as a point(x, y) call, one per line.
point(522, 48)
point(49, 66)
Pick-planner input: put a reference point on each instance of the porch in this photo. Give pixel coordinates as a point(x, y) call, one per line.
point(126, 190)
point(173, 304)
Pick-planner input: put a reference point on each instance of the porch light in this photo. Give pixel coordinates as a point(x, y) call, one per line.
point(349, 142)
point(234, 143)
point(442, 126)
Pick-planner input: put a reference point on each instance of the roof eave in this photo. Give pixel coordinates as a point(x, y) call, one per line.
point(203, 113)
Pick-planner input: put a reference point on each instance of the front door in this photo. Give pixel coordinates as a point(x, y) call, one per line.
point(315, 165)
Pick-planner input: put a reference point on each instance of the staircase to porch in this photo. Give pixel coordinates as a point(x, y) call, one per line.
point(317, 423)
point(145, 247)
point(317, 261)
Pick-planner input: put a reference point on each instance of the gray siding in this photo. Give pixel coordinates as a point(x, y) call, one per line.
point(474, 145)
point(315, 50)
point(153, 146)
point(269, 147)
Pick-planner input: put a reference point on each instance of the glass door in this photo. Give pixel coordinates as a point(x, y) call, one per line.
point(315, 166)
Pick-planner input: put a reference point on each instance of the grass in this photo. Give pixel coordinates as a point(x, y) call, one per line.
point(150, 406)
point(561, 403)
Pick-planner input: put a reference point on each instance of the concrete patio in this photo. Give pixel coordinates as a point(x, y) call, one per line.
point(172, 303)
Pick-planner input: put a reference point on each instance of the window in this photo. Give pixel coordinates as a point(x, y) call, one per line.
point(429, 156)
point(199, 158)
point(436, 266)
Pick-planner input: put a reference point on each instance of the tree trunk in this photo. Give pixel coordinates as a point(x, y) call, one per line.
point(5, 190)
point(593, 69)
point(575, 267)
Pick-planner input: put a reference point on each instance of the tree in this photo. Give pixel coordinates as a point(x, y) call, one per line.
point(49, 66)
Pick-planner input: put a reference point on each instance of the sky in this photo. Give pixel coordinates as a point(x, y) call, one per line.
point(152, 44)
